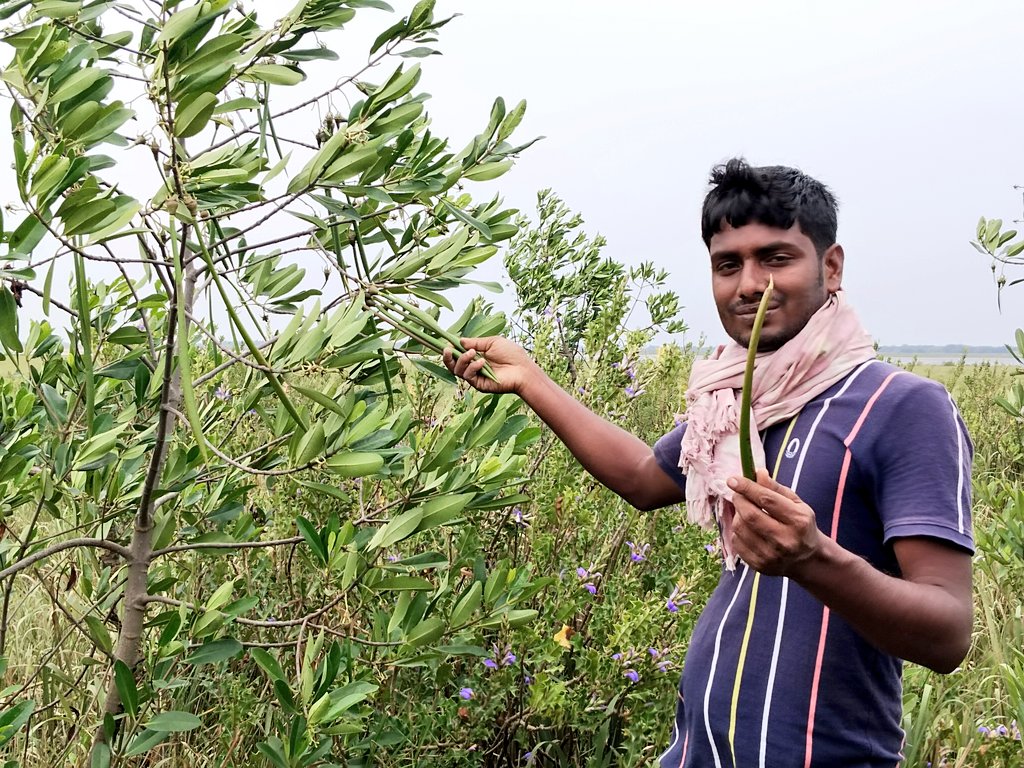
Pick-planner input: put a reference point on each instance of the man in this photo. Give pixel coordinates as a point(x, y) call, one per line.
point(852, 549)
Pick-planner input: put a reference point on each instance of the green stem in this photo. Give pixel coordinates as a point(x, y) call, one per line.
point(431, 325)
point(184, 354)
point(746, 453)
point(85, 334)
point(254, 349)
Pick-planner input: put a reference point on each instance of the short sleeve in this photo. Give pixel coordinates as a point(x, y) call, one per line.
point(921, 463)
point(666, 453)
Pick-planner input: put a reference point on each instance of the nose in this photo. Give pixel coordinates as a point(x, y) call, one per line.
point(753, 281)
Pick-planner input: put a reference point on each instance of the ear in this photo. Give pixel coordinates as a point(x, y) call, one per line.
point(832, 268)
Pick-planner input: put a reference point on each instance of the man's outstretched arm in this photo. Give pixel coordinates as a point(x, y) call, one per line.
point(618, 460)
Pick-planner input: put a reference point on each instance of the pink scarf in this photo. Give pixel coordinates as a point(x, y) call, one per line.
point(831, 345)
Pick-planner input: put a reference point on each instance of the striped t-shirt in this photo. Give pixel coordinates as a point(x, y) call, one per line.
point(774, 680)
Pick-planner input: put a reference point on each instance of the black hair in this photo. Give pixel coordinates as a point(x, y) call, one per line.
point(773, 195)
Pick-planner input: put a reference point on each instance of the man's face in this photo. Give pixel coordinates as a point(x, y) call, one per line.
point(743, 258)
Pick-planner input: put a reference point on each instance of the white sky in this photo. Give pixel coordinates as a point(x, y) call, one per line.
point(909, 111)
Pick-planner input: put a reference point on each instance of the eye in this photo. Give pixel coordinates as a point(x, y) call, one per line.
point(725, 266)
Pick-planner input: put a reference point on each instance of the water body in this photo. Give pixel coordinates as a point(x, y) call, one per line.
point(1004, 359)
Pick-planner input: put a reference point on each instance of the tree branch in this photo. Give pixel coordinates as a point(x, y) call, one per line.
point(53, 549)
point(225, 545)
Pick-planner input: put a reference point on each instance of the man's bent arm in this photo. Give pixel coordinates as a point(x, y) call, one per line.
point(923, 615)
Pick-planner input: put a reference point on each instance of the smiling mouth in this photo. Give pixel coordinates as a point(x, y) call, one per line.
point(751, 310)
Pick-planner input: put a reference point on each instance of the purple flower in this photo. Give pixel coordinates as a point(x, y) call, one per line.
point(583, 574)
point(632, 674)
point(509, 658)
point(711, 548)
point(1002, 730)
point(617, 656)
point(637, 552)
point(984, 730)
point(663, 666)
point(655, 653)
point(490, 663)
point(676, 599)
point(222, 393)
point(631, 372)
point(527, 679)
point(520, 518)
point(615, 365)
point(466, 693)
point(631, 392)
point(549, 311)
point(581, 390)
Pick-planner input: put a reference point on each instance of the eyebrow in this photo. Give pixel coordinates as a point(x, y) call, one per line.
point(764, 250)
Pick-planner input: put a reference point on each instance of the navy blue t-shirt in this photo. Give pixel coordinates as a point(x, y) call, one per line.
point(772, 678)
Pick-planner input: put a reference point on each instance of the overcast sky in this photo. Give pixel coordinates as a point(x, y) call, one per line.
point(910, 112)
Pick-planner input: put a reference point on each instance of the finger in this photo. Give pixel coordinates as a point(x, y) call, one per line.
point(765, 480)
point(754, 516)
point(449, 361)
point(758, 493)
point(463, 361)
point(482, 344)
point(474, 368)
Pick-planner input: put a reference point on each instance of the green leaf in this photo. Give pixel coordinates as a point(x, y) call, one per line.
point(57, 406)
point(467, 605)
point(343, 699)
point(321, 399)
point(179, 24)
point(47, 285)
point(193, 114)
point(399, 528)
point(514, 619)
point(26, 236)
point(443, 509)
point(174, 721)
point(144, 741)
point(426, 632)
point(12, 720)
point(464, 217)
point(275, 74)
point(311, 445)
point(215, 651)
point(310, 54)
point(77, 84)
point(48, 175)
point(355, 463)
point(268, 663)
point(489, 171)
point(403, 583)
point(127, 335)
point(312, 537)
point(9, 321)
point(125, 683)
point(221, 596)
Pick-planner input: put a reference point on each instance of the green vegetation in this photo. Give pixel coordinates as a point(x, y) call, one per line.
point(246, 518)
